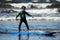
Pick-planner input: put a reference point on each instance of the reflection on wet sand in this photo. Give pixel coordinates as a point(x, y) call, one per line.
point(28, 36)
point(20, 37)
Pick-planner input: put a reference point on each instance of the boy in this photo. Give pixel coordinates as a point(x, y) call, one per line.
point(22, 15)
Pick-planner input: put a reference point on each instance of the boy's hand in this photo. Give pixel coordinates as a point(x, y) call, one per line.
point(32, 16)
point(16, 18)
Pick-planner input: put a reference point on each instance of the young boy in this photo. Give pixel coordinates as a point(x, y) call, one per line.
point(22, 15)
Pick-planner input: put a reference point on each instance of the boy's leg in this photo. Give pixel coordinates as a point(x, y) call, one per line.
point(20, 26)
point(26, 24)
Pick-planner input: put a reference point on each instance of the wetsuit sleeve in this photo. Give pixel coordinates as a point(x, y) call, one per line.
point(18, 14)
point(28, 14)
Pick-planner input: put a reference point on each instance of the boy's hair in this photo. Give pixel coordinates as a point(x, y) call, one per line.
point(23, 7)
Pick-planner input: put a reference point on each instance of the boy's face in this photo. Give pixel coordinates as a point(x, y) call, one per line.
point(23, 8)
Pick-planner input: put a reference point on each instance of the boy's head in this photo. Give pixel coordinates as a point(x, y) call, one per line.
point(23, 8)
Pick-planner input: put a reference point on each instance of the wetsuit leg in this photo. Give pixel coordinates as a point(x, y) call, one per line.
point(26, 24)
point(20, 26)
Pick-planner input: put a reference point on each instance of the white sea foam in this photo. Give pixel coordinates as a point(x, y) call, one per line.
point(43, 5)
point(39, 11)
point(35, 18)
point(39, 5)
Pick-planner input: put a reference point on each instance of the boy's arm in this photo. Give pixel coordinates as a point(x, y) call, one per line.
point(28, 14)
point(17, 16)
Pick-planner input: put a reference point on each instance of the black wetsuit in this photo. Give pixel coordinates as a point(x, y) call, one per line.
point(22, 15)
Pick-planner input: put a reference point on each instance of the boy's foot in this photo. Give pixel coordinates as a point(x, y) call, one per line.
point(27, 29)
